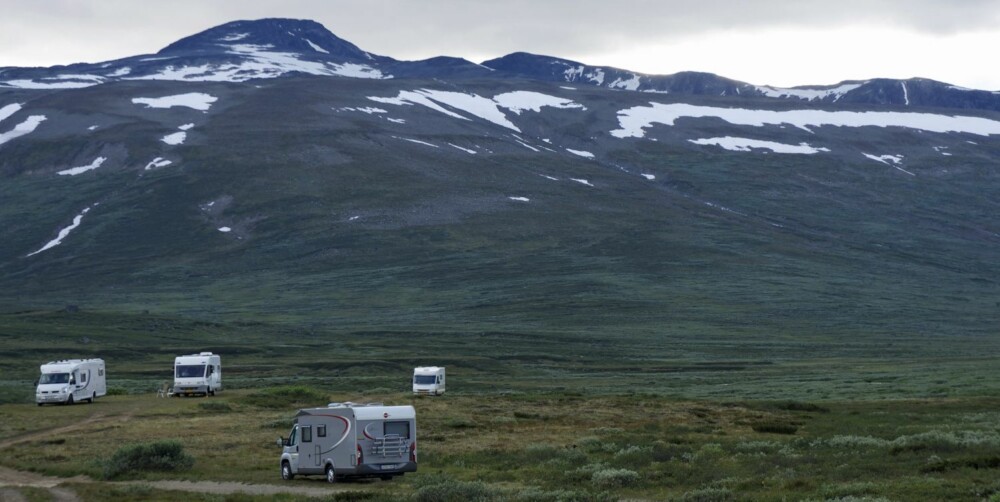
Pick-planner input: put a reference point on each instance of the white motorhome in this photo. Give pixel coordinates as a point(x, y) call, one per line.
point(71, 381)
point(197, 374)
point(428, 380)
point(351, 440)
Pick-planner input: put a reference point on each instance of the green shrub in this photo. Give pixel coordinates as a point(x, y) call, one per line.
point(117, 391)
point(709, 495)
point(775, 427)
point(614, 478)
point(450, 490)
point(539, 495)
point(848, 489)
point(292, 396)
point(460, 423)
point(165, 455)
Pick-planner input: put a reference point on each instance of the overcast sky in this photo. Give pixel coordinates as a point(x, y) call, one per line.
point(777, 42)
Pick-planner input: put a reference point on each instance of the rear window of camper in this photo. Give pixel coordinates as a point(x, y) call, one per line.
point(401, 429)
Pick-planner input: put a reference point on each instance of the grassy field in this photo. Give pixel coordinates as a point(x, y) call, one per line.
point(529, 415)
point(557, 446)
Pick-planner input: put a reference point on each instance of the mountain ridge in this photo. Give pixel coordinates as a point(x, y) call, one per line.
point(272, 47)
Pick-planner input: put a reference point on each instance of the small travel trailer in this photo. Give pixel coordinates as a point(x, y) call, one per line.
point(351, 440)
point(428, 380)
point(197, 374)
point(70, 381)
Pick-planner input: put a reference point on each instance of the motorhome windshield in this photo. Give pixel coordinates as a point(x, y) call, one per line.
point(190, 371)
point(424, 379)
point(48, 378)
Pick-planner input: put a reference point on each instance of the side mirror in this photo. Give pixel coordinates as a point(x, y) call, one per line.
point(35, 384)
point(281, 441)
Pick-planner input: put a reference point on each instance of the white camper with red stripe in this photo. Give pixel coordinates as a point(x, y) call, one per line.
point(349, 440)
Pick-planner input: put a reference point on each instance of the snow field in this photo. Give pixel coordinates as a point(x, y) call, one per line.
point(62, 233)
point(73, 171)
point(746, 145)
point(633, 121)
point(194, 100)
point(28, 125)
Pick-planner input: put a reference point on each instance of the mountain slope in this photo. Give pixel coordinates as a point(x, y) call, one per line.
point(478, 200)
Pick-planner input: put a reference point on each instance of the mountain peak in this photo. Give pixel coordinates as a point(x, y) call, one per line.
point(276, 34)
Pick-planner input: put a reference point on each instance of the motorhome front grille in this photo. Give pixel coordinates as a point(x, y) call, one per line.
point(389, 446)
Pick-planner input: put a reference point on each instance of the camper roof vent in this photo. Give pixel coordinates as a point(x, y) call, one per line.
point(205, 354)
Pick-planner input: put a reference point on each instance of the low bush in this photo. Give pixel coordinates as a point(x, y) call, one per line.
point(293, 396)
point(116, 391)
point(538, 495)
point(775, 427)
point(614, 478)
point(166, 455)
point(451, 490)
point(709, 495)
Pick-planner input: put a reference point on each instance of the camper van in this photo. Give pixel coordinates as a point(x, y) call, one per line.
point(70, 381)
point(346, 440)
point(197, 374)
point(428, 380)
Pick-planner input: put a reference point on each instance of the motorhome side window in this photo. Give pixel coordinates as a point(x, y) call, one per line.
point(307, 434)
point(291, 436)
point(83, 378)
point(321, 431)
point(401, 429)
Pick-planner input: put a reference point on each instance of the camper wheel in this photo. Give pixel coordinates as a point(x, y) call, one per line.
point(331, 476)
point(286, 471)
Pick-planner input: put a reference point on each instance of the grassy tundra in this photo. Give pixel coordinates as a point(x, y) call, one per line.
point(542, 416)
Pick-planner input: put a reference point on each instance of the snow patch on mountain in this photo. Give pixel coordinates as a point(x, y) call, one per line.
point(194, 100)
point(479, 106)
point(895, 160)
point(121, 72)
point(472, 104)
point(650, 177)
point(629, 85)
point(316, 47)
point(582, 181)
point(9, 110)
point(519, 101)
point(259, 62)
point(176, 138)
point(28, 125)
point(747, 145)
point(885, 159)
point(185, 127)
point(73, 171)
point(63, 233)
point(466, 150)
point(31, 84)
point(233, 37)
point(633, 121)
point(519, 199)
point(157, 162)
point(807, 94)
point(581, 153)
point(417, 141)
